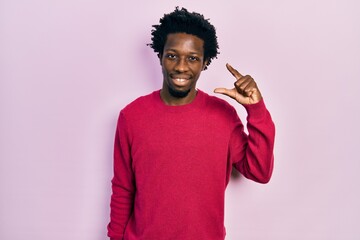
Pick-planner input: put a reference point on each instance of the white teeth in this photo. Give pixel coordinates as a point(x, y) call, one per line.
point(180, 79)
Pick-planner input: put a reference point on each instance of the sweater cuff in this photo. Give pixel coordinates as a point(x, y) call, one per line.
point(256, 111)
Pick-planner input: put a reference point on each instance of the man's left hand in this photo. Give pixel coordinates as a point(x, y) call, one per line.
point(245, 90)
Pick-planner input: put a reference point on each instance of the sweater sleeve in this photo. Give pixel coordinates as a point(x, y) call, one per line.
point(123, 184)
point(252, 154)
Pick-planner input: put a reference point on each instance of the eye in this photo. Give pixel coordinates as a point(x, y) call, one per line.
point(170, 56)
point(193, 59)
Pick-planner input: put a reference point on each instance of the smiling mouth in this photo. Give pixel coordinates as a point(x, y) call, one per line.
point(180, 79)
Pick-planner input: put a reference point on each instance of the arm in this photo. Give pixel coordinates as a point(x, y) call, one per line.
point(123, 186)
point(252, 155)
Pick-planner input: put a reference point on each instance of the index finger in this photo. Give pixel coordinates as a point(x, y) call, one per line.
point(234, 72)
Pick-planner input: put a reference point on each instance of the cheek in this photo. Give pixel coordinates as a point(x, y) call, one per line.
point(198, 69)
point(166, 65)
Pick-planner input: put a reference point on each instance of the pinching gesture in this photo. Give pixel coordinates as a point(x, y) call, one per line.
point(245, 90)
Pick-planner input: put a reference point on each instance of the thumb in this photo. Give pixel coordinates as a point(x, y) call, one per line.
point(225, 91)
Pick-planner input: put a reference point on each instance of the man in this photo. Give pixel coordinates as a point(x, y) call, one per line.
point(175, 148)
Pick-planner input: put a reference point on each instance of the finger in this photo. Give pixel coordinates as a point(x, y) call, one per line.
point(244, 84)
point(249, 89)
point(228, 92)
point(233, 71)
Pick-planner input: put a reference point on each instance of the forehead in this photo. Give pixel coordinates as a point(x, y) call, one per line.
point(183, 42)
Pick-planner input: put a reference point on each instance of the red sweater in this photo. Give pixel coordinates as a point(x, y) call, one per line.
point(172, 165)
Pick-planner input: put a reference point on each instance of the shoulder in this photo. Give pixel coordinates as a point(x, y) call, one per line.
point(140, 103)
point(217, 104)
point(220, 111)
point(135, 111)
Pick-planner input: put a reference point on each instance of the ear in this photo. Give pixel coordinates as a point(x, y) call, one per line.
point(206, 61)
point(160, 57)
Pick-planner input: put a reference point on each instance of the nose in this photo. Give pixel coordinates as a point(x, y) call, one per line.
point(181, 65)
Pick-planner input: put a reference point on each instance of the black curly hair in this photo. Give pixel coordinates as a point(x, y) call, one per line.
point(182, 21)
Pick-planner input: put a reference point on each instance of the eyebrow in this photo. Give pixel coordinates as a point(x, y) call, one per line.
point(174, 50)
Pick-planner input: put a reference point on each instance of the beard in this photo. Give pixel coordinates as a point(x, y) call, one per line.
point(178, 94)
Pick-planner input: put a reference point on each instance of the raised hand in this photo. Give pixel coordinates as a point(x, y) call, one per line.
point(245, 90)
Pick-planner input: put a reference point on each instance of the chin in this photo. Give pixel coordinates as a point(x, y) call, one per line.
point(179, 93)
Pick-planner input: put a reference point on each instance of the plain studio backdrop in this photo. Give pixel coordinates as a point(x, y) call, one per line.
point(68, 67)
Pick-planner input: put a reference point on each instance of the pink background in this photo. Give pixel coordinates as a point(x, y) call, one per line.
point(68, 67)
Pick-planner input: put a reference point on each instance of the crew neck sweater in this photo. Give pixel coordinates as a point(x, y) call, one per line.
point(172, 165)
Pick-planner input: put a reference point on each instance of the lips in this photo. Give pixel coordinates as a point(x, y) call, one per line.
point(180, 80)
